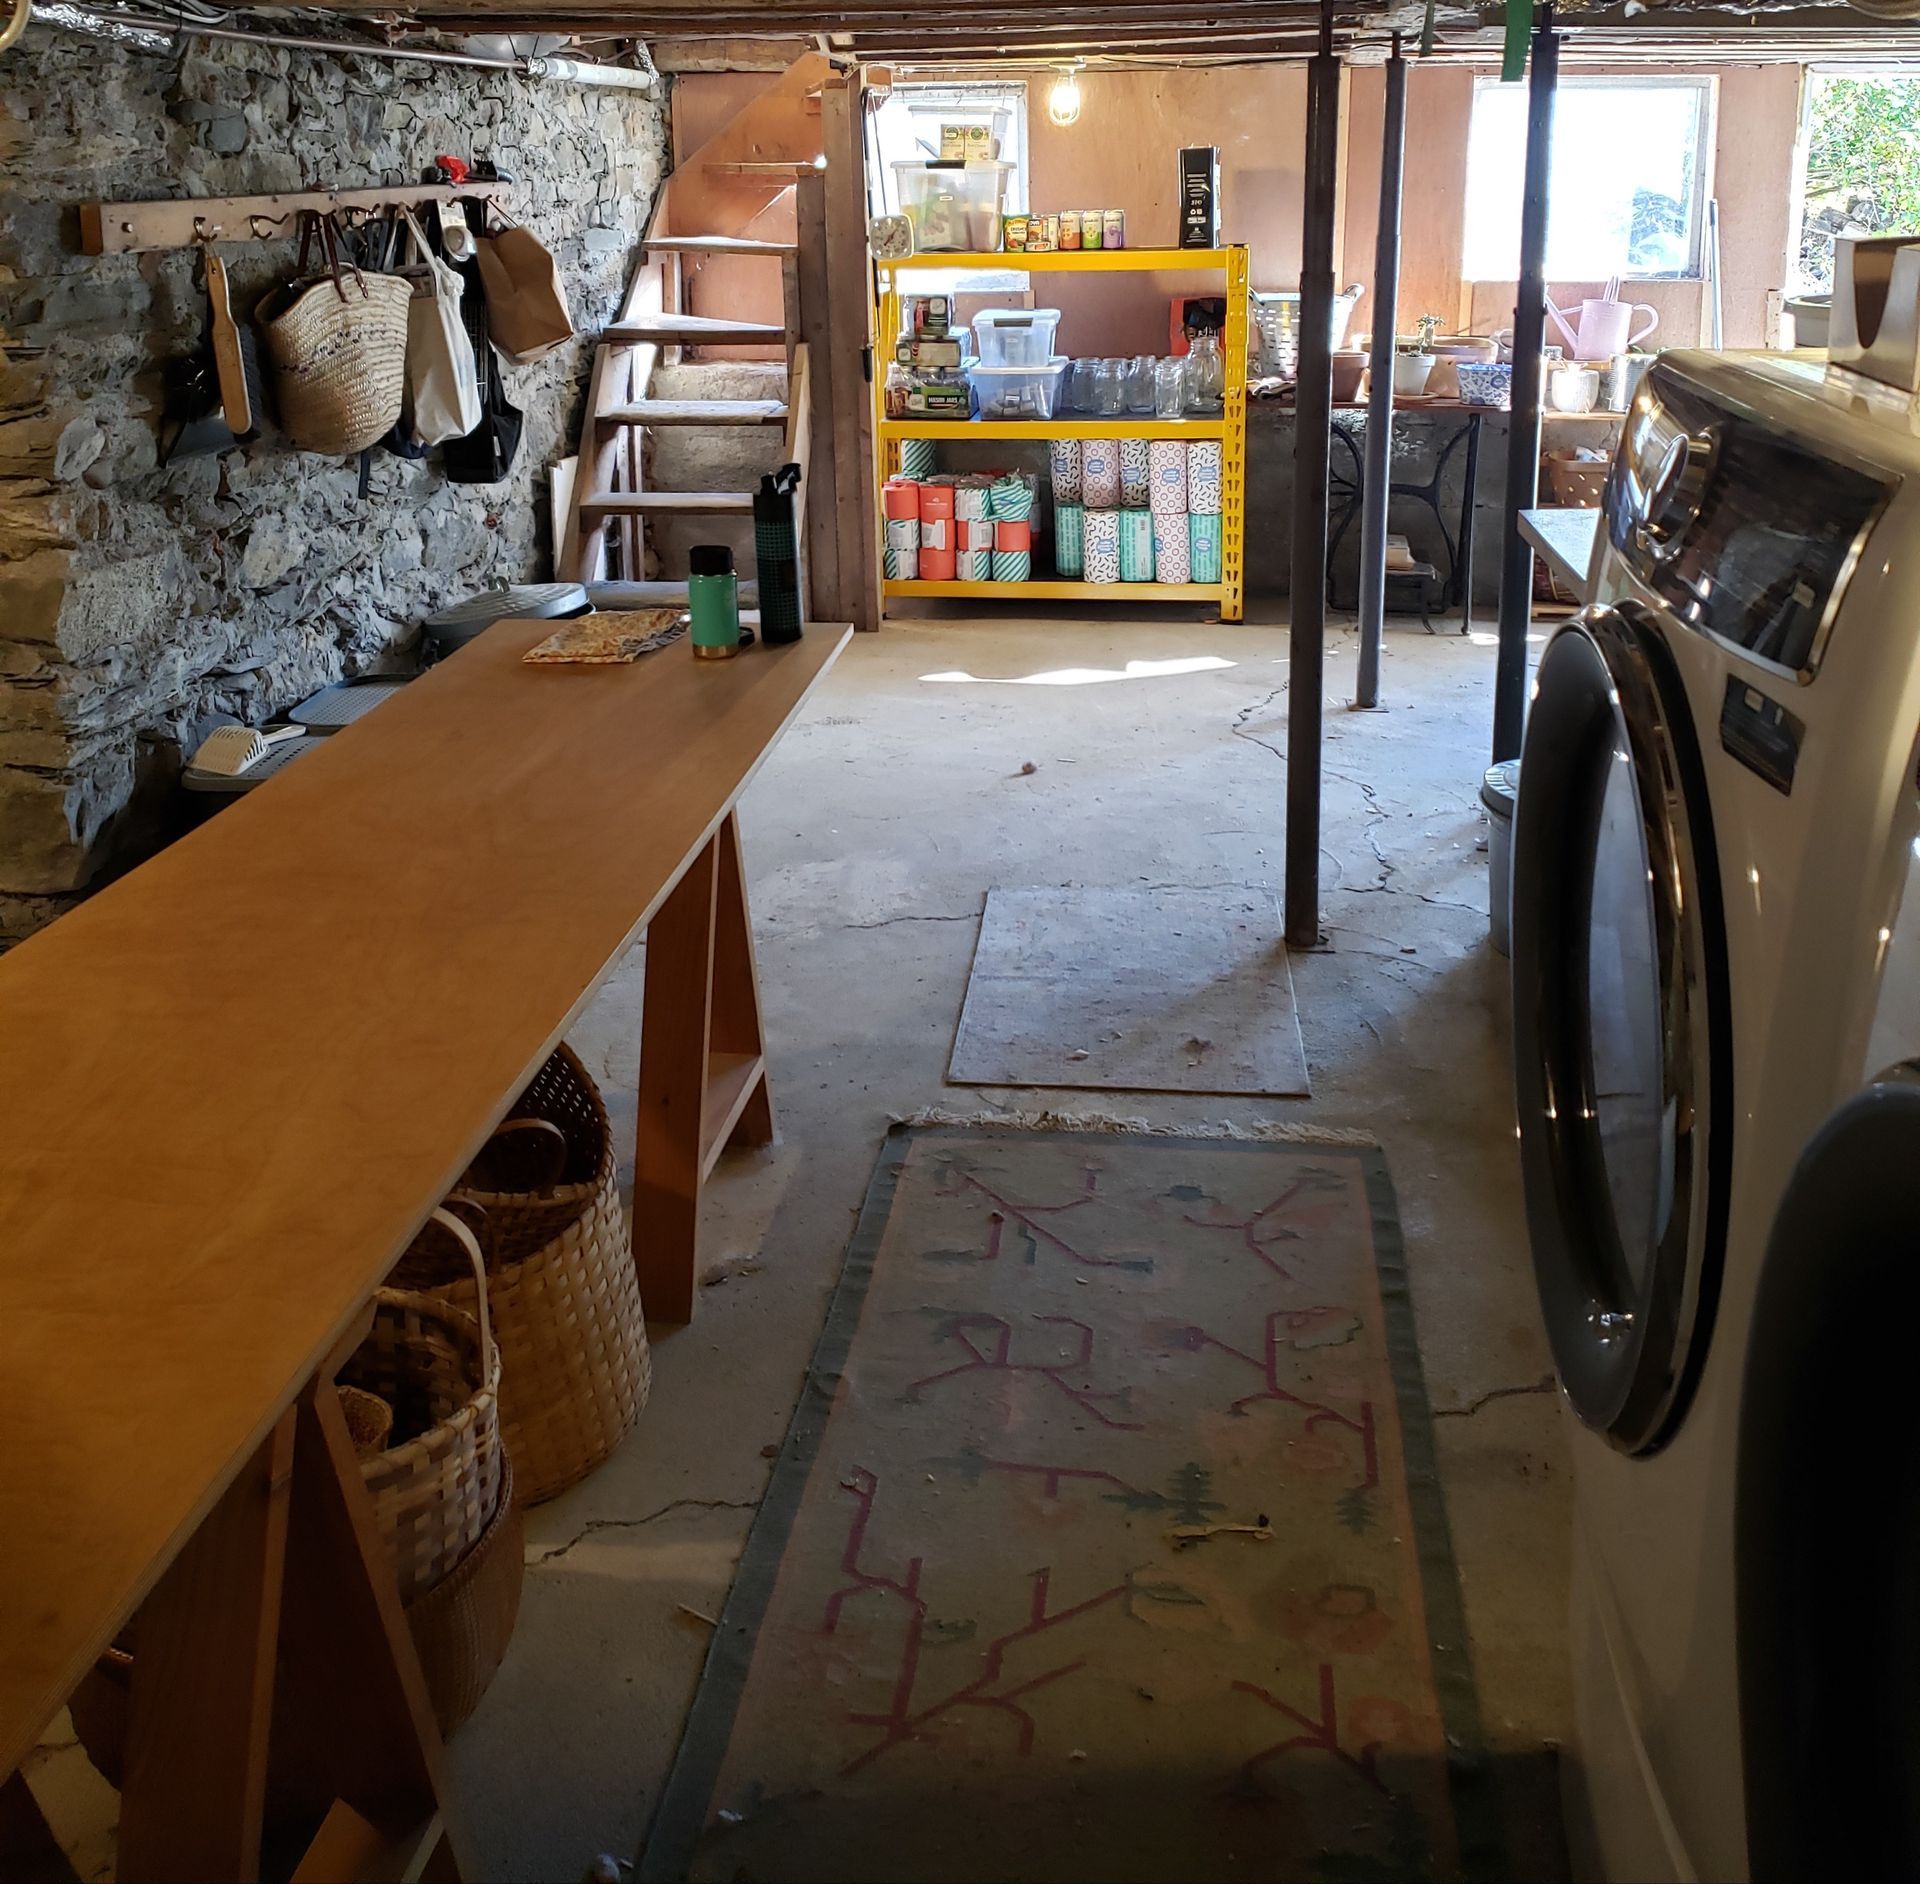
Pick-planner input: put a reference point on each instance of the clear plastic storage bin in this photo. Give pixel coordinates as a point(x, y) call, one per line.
point(1015, 336)
point(1019, 392)
point(953, 206)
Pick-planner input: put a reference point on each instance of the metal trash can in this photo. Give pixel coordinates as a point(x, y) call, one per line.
point(1499, 793)
point(455, 626)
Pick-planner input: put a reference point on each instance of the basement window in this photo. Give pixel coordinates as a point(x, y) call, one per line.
point(1859, 163)
point(906, 126)
point(1629, 179)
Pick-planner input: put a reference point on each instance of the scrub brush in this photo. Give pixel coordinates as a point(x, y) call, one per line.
point(228, 751)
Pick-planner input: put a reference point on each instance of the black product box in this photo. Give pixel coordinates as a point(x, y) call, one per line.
point(1200, 197)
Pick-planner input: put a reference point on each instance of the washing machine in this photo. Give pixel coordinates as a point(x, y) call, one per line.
point(1717, 817)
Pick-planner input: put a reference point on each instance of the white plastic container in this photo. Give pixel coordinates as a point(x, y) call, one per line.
point(1015, 336)
point(953, 206)
point(1019, 392)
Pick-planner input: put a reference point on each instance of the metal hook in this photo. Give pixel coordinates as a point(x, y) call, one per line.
point(263, 226)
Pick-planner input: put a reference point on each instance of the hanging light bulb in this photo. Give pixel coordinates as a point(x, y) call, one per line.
point(1063, 102)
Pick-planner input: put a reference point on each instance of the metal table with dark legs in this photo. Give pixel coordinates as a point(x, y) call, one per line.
point(1348, 494)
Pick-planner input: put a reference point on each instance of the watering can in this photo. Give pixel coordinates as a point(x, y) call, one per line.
point(1602, 328)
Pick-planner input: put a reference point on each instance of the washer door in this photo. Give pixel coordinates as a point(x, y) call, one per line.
point(1621, 1044)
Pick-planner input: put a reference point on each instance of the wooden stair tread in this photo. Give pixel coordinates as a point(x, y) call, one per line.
point(659, 594)
point(698, 412)
point(718, 245)
point(692, 330)
point(686, 503)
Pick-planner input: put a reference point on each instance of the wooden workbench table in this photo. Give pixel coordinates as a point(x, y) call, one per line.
point(237, 1081)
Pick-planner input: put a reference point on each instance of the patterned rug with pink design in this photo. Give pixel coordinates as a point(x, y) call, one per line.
point(1106, 1542)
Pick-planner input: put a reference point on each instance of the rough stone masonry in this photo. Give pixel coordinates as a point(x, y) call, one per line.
point(136, 600)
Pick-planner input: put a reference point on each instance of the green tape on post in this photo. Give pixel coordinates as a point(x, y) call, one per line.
point(1513, 62)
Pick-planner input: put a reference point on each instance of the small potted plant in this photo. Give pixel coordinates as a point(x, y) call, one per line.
point(1413, 360)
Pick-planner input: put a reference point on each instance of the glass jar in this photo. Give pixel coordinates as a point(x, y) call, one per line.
point(1080, 387)
point(1110, 388)
point(1140, 383)
point(1206, 375)
point(1169, 388)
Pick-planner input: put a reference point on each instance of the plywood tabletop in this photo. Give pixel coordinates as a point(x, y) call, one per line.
point(1565, 536)
point(236, 1082)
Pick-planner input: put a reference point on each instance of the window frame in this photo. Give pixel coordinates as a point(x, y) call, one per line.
point(1704, 85)
point(1811, 74)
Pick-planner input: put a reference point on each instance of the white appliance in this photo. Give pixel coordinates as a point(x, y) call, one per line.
point(1716, 818)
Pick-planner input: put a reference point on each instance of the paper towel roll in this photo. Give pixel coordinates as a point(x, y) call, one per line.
point(1203, 540)
point(1063, 464)
point(1103, 544)
point(916, 457)
point(1100, 474)
point(1203, 477)
point(1012, 549)
point(1070, 540)
point(1169, 473)
point(1136, 546)
point(903, 548)
point(1136, 465)
point(1172, 558)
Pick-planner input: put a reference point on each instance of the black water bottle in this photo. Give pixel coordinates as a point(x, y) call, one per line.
point(776, 552)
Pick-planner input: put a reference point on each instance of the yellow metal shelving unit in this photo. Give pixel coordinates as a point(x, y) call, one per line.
point(1230, 428)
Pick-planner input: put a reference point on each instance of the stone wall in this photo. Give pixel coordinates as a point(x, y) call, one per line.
point(136, 600)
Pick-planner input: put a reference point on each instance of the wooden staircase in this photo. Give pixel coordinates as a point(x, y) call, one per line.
point(740, 183)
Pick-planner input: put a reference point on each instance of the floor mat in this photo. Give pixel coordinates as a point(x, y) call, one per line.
point(1138, 990)
point(1106, 1542)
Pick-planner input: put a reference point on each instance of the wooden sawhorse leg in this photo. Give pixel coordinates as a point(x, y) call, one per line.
point(286, 1585)
point(703, 1067)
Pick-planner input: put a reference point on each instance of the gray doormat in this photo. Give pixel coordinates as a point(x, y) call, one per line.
point(1131, 990)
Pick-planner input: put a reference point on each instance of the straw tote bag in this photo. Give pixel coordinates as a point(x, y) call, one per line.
point(526, 305)
point(337, 343)
point(443, 378)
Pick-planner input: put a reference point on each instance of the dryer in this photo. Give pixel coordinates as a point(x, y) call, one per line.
point(1718, 808)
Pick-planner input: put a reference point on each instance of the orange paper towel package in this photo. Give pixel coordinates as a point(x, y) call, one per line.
point(937, 560)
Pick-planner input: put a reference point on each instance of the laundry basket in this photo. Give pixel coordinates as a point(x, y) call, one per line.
point(560, 1280)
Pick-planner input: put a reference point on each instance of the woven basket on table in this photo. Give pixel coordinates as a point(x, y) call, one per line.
point(437, 1485)
point(560, 1281)
point(338, 349)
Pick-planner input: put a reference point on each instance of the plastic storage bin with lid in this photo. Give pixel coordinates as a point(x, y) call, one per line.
point(1019, 392)
point(1015, 336)
point(953, 206)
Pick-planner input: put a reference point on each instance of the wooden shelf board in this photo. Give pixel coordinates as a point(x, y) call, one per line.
point(1069, 261)
point(1057, 591)
point(731, 1079)
point(1053, 428)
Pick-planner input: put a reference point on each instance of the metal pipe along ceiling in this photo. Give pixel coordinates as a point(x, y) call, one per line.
point(144, 29)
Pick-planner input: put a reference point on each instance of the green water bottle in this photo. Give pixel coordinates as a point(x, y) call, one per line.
point(713, 600)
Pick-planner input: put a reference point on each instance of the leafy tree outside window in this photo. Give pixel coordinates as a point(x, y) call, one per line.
point(1862, 165)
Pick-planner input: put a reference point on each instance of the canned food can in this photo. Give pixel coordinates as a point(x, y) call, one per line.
point(1092, 226)
point(1043, 232)
point(1069, 228)
point(1113, 228)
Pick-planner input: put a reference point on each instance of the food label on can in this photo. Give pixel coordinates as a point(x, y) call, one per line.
point(1092, 227)
point(1113, 228)
point(1069, 228)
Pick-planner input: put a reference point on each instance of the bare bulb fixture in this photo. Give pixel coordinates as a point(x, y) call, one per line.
point(1063, 102)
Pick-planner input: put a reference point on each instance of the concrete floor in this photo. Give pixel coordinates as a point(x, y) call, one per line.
point(871, 838)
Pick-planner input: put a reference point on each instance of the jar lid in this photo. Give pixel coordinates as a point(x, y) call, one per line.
point(710, 559)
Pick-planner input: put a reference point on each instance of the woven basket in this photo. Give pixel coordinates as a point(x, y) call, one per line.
point(338, 348)
point(561, 1284)
point(437, 1484)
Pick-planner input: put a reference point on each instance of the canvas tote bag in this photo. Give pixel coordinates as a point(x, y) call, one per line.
point(443, 377)
point(337, 343)
point(526, 305)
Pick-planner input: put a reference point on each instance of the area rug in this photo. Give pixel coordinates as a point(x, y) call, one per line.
point(1131, 990)
point(1106, 1542)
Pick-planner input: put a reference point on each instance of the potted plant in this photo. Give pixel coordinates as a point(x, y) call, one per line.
point(1413, 360)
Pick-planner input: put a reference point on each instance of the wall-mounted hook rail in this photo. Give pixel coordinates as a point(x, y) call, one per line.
point(180, 222)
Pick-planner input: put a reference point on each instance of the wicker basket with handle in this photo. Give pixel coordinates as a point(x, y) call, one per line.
point(576, 1368)
point(437, 1485)
point(338, 347)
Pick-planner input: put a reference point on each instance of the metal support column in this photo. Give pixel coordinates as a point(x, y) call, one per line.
point(1386, 301)
point(1523, 425)
point(1313, 425)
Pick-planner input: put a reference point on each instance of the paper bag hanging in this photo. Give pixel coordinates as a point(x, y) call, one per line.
point(526, 305)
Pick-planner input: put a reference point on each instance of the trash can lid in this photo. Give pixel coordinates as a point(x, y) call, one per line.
point(345, 701)
point(232, 784)
point(1501, 788)
point(536, 601)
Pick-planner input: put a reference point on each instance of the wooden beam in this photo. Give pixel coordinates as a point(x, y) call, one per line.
point(733, 54)
point(823, 518)
point(179, 222)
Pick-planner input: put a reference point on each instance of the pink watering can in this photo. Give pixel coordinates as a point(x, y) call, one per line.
point(1602, 328)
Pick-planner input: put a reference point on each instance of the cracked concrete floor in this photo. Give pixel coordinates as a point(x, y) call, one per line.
point(871, 839)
